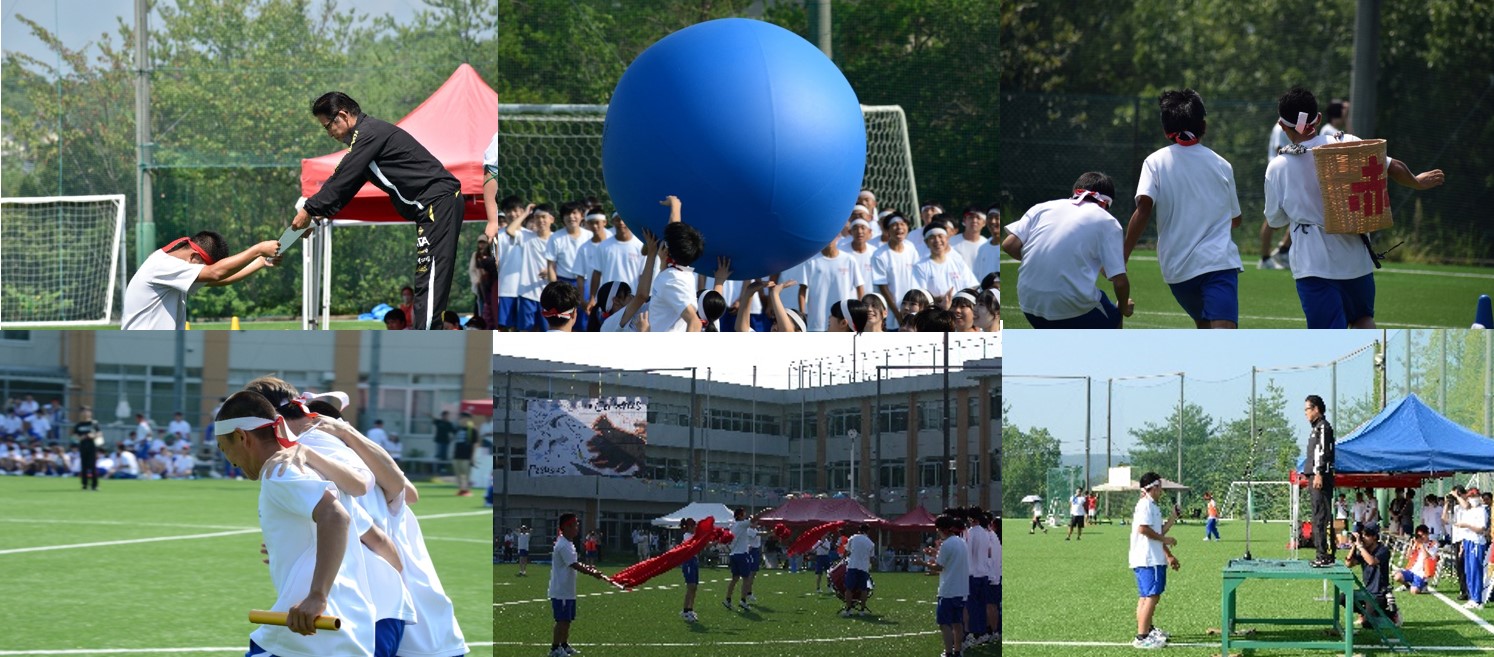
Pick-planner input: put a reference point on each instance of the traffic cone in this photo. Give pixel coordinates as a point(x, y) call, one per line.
point(1484, 318)
point(233, 324)
point(189, 326)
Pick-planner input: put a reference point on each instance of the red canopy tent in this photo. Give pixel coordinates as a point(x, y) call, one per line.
point(916, 520)
point(483, 407)
point(808, 511)
point(455, 124)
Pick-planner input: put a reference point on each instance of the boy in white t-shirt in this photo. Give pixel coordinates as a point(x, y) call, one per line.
point(892, 264)
point(1335, 273)
point(860, 248)
point(988, 257)
point(156, 298)
point(1191, 190)
point(563, 568)
point(516, 310)
point(1149, 559)
point(617, 258)
point(942, 271)
point(563, 250)
point(952, 563)
point(828, 277)
point(673, 297)
point(314, 564)
point(968, 242)
point(1062, 246)
point(586, 263)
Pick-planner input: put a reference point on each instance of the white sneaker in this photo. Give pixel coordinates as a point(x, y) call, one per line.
point(751, 598)
point(1149, 643)
point(570, 651)
point(969, 642)
point(743, 606)
point(558, 652)
point(845, 613)
point(1159, 634)
point(1269, 263)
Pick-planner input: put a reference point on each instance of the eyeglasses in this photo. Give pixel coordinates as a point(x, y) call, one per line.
point(328, 125)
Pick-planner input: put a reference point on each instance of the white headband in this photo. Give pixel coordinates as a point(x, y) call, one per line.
point(966, 296)
point(895, 219)
point(797, 320)
point(1081, 194)
point(341, 398)
point(927, 298)
point(1152, 485)
point(934, 231)
point(879, 297)
point(860, 222)
point(596, 216)
point(226, 427)
point(1302, 124)
point(926, 207)
point(861, 208)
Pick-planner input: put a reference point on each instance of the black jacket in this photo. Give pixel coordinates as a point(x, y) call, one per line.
point(393, 161)
point(1320, 448)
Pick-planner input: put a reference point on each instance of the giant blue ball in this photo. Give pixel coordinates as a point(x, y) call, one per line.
point(752, 127)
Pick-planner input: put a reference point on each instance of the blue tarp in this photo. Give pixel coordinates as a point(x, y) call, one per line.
point(1409, 437)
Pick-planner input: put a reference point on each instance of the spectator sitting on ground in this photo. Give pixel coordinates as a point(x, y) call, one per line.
point(126, 464)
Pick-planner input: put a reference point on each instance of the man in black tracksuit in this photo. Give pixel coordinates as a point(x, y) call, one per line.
point(1320, 471)
point(86, 432)
point(420, 188)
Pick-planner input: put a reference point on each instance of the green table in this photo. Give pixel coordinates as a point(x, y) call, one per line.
point(1239, 570)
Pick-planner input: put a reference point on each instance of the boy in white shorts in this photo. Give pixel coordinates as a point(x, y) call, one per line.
point(1335, 273)
point(1061, 247)
point(1191, 189)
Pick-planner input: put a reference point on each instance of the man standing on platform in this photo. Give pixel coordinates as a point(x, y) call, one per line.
point(1320, 469)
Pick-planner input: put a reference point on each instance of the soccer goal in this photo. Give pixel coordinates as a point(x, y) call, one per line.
point(60, 258)
point(554, 153)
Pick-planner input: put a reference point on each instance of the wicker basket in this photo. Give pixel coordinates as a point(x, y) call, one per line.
point(1354, 177)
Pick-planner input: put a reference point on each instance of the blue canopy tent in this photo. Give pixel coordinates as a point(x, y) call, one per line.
point(1411, 440)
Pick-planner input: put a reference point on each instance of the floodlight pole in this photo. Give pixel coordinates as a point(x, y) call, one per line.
point(947, 501)
point(508, 411)
point(690, 489)
point(145, 237)
point(1179, 498)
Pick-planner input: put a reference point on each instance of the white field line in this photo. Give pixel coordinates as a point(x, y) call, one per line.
point(49, 521)
point(154, 651)
point(46, 548)
point(703, 644)
point(1244, 318)
point(1419, 272)
point(1459, 608)
point(462, 514)
point(462, 540)
point(1127, 644)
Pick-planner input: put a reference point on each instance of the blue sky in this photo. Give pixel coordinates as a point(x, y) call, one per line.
point(1217, 366)
point(80, 22)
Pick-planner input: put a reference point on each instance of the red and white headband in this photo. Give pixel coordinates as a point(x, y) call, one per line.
point(192, 245)
point(224, 427)
point(1081, 194)
point(1303, 126)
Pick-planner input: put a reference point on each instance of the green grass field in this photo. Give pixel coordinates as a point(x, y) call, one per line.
point(143, 567)
point(789, 620)
point(1406, 296)
point(1080, 595)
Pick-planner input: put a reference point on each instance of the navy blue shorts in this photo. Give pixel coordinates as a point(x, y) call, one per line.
point(1214, 296)
point(950, 611)
point(523, 553)
point(691, 569)
point(564, 610)
point(741, 565)
point(822, 563)
point(1330, 303)
point(1151, 580)
point(519, 313)
point(387, 635)
point(856, 580)
point(757, 558)
point(977, 597)
point(1104, 317)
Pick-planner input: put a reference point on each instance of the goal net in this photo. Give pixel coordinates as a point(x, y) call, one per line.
point(60, 259)
point(553, 153)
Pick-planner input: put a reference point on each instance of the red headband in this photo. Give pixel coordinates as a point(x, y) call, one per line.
point(193, 245)
point(1183, 138)
point(555, 312)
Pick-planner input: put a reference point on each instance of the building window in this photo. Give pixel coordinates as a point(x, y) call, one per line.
point(894, 418)
point(929, 472)
point(892, 474)
point(19, 336)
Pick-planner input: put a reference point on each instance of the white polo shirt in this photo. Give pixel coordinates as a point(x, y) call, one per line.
point(859, 552)
point(286, 502)
point(954, 560)
point(739, 536)
point(1064, 248)
point(1146, 552)
point(156, 298)
point(1193, 194)
point(1294, 198)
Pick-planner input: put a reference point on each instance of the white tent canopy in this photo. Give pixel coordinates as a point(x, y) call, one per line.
point(696, 510)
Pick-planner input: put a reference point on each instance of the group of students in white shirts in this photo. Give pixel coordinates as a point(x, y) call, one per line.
point(879, 274)
point(968, 562)
point(1066, 245)
point(338, 530)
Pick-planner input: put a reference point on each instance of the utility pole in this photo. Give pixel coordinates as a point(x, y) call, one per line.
point(145, 237)
point(1362, 105)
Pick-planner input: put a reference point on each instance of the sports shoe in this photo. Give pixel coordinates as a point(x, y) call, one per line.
point(743, 606)
point(1269, 263)
point(1283, 259)
point(751, 598)
point(727, 604)
point(1149, 643)
point(559, 652)
point(1157, 632)
point(570, 651)
point(845, 613)
point(1321, 563)
point(969, 641)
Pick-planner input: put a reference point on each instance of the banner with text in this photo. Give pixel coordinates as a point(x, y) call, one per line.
point(604, 436)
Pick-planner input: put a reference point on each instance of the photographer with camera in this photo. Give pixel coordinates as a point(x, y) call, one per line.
point(1365, 549)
